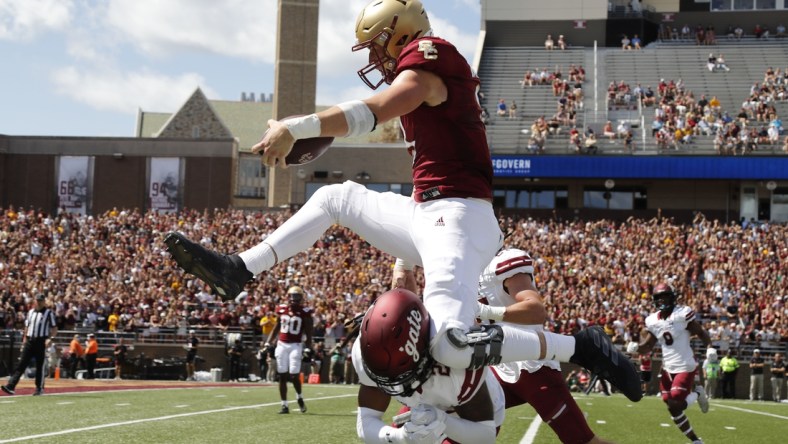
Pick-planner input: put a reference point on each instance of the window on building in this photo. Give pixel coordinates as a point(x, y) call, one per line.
point(195, 132)
point(617, 199)
point(251, 177)
point(532, 197)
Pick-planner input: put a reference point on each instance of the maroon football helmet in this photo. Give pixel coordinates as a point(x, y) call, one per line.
point(664, 298)
point(395, 340)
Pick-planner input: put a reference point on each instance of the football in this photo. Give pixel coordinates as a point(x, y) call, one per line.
point(307, 150)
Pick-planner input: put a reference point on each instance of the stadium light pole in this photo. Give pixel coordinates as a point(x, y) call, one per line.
point(596, 80)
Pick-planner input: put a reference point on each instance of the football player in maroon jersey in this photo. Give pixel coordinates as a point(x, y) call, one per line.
point(293, 330)
point(448, 225)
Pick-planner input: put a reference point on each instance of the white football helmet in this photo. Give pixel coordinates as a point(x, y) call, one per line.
point(385, 27)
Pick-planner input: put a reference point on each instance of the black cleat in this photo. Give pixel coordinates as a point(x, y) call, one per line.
point(8, 389)
point(301, 405)
point(595, 352)
point(38, 392)
point(284, 410)
point(226, 274)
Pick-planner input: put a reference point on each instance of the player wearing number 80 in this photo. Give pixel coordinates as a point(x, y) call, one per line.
point(672, 325)
point(293, 329)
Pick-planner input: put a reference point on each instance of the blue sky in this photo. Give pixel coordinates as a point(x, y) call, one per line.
point(84, 67)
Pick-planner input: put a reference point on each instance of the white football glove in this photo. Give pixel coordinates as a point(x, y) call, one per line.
point(632, 347)
point(423, 434)
point(425, 414)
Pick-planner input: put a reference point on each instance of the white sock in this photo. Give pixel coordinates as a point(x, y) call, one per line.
point(559, 347)
point(692, 397)
point(284, 403)
point(259, 258)
point(298, 395)
point(294, 236)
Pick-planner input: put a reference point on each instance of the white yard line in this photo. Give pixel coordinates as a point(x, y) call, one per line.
point(160, 418)
point(750, 411)
point(530, 434)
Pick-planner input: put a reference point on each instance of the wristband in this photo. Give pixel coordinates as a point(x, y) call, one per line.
point(491, 313)
point(304, 127)
point(360, 119)
point(402, 264)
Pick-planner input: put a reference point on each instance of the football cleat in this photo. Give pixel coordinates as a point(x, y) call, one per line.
point(301, 405)
point(8, 389)
point(284, 410)
point(226, 274)
point(38, 392)
point(595, 352)
point(703, 400)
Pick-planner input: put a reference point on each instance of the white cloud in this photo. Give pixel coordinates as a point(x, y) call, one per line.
point(22, 20)
point(235, 28)
point(126, 91)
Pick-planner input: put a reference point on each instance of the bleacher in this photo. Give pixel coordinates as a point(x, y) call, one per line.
point(502, 69)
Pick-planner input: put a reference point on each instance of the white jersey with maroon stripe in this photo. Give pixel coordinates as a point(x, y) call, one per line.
point(504, 265)
point(673, 336)
point(446, 389)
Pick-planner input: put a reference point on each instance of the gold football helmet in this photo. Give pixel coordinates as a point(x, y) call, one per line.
point(385, 27)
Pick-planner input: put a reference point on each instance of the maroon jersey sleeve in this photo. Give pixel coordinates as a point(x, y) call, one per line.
point(450, 156)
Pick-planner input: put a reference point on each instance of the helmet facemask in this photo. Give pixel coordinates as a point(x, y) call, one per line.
point(380, 61)
point(406, 383)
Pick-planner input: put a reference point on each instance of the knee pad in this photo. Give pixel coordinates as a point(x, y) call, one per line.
point(485, 342)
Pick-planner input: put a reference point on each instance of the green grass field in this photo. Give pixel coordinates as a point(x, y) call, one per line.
point(248, 414)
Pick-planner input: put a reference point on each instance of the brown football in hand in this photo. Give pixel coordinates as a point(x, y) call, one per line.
point(307, 150)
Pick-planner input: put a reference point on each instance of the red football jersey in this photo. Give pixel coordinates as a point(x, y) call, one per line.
point(291, 322)
point(450, 156)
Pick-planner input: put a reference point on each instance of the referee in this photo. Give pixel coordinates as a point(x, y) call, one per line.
point(39, 326)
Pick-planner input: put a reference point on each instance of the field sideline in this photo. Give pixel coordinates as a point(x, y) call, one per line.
point(247, 413)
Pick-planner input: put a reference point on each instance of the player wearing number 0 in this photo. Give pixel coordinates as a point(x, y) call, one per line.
point(448, 226)
point(508, 295)
point(672, 326)
point(293, 330)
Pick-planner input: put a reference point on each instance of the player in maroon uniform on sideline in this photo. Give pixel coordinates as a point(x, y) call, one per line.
point(448, 226)
point(293, 330)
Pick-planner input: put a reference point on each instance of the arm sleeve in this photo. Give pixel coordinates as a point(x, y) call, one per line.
point(371, 428)
point(463, 430)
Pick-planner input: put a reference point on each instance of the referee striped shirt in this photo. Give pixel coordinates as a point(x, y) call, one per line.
point(39, 323)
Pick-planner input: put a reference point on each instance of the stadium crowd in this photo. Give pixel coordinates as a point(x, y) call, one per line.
point(110, 272)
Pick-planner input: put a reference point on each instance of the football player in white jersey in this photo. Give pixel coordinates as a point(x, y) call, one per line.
point(672, 326)
point(508, 294)
point(392, 359)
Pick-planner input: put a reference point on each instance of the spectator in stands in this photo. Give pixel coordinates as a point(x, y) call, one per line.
point(738, 32)
point(758, 31)
point(685, 32)
point(561, 42)
point(528, 79)
point(720, 64)
point(780, 31)
point(636, 42)
point(502, 110)
point(711, 35)
point(712, 62)
point(608, 131)
point(700, 35)
point(785, 145)
point(626, 44)
point(590, 142)
point(629, 144)
point(730, 33)
point(622, 129)
point(513, 110)
point(549, 43)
